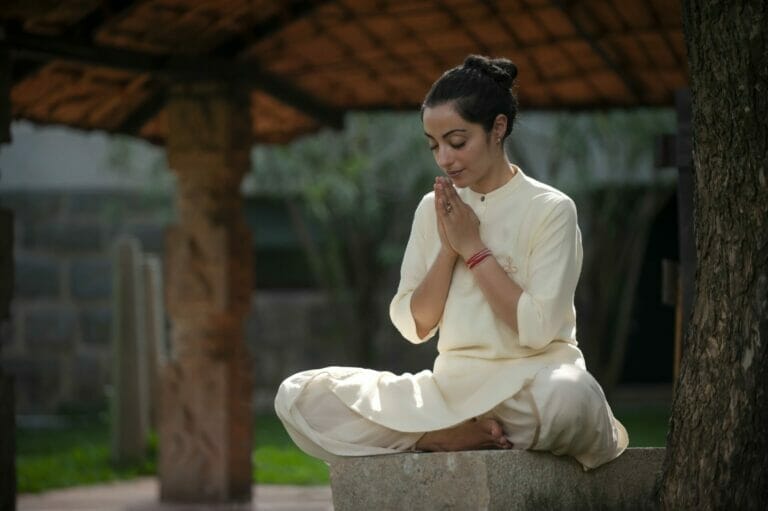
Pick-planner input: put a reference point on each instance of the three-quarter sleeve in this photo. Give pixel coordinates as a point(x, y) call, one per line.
point(412, 272)
point(554, 267)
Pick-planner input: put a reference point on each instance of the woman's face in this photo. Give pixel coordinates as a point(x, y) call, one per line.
point(461, 149)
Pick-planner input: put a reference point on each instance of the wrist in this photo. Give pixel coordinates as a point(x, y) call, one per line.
point(469, 251)
point(448, 253)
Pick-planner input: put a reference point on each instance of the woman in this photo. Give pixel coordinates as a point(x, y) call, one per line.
point(492, 262)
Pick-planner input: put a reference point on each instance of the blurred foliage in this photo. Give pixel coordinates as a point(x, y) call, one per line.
point(351, 196)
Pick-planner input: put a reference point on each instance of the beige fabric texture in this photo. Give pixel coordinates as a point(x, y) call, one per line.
point(534, 381)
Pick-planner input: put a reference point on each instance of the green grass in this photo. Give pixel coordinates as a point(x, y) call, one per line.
point(277, 460)
point(646, 425)
point(73, 454)
point(78, 453)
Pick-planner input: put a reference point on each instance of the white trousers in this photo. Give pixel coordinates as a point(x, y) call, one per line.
point(561, 410)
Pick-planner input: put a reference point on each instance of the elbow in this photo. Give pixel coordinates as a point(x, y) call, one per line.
point(403, 320)
point(423, 333)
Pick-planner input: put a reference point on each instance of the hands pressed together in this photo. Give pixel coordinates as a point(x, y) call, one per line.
point(457, 224)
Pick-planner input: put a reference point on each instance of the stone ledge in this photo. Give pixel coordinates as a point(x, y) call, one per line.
point(495, 480)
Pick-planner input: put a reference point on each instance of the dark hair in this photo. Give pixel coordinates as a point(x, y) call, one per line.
point(481, 88)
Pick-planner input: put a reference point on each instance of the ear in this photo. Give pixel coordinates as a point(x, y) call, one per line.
point(499, 126)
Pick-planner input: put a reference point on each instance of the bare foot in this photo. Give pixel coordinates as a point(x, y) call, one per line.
point(471, 435)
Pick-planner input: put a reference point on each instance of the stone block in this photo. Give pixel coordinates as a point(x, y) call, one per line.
point(37, 381)
point(96, 325)
point(495, 480)
point(64, 236)
point(129, 410)
point(89, 373)
point(100, 203)
point(91, 279)
point(50, 327)
point(37, 276)
point(31, 206)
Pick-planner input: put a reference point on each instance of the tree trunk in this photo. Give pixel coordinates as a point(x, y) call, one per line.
point(718, 432)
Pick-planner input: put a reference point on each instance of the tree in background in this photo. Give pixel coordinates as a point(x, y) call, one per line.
point(718, 438)
point(359, 187)
point(604, 161)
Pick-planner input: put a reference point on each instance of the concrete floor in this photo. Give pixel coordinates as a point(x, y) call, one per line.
point(141, 495)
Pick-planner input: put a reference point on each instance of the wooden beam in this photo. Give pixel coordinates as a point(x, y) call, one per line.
point(497, 15)
point(82, 31)
point(171, 67)
point(632, 86)
point(144, 113)
point(290, 13)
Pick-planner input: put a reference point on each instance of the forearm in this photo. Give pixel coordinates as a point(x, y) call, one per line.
point(501, 292)
point(428, 299)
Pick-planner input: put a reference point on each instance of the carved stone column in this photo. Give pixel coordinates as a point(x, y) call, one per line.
point(205, 416)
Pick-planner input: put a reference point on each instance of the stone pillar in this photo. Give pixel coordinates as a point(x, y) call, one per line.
point(130, 395)
point(154, 322)
point(206, 420)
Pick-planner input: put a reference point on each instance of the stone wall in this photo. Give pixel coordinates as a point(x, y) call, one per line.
point(58, 346)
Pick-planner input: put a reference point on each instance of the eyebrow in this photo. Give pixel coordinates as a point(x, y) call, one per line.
point(446, 133)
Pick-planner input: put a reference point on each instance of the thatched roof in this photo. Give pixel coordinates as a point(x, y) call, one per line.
point(107, 65)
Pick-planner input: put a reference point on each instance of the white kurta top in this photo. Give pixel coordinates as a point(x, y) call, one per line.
point(532, 231)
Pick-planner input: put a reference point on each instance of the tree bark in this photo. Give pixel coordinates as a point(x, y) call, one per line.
point(717, 440)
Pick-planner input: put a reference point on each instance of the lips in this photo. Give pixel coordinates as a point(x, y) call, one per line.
point(454, 173)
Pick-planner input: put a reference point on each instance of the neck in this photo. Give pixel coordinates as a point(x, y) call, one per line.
point(498, 176)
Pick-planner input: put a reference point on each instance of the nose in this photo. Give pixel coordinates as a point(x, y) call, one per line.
point(443, 157)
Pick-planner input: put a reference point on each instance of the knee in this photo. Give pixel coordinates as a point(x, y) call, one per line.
point(568, 397)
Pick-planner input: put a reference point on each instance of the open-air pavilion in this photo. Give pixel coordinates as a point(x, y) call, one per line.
point(207, 79)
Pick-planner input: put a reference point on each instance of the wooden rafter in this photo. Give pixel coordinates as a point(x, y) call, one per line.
point(626, 27)
point(290, 13)
point(493, 8)
point(144, 113)
point(173, 67)
point(82, 31)
point(663, 33)
point(349, 53)
point(378, 42)
point(632, 86)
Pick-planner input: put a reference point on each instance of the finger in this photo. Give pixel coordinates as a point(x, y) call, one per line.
point(451, 193)
point(448, 189)
point(441, 212)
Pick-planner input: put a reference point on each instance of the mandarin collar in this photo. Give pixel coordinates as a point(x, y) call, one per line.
point(502, 191)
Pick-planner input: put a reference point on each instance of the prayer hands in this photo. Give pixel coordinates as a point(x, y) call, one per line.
point(457, 224)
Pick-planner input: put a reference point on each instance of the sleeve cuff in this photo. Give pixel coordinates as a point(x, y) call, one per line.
point(530, 323)
point(402, 318)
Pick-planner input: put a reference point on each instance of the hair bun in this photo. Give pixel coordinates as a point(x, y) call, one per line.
point(503, 71)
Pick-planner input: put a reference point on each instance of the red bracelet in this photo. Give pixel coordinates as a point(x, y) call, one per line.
point(478, 258)
point(475, 256)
